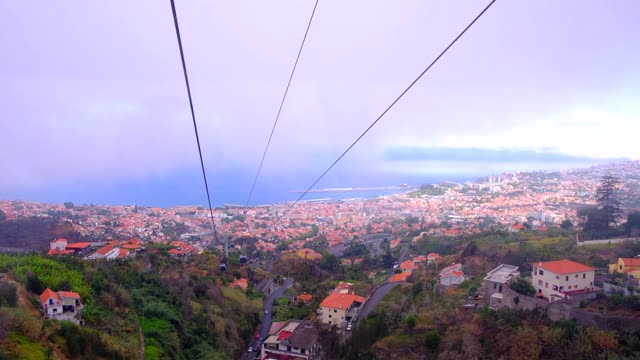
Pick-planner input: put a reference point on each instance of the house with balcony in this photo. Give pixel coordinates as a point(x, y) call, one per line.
point(495, 283)
point(339, 308)
point(61, 305)
point(295, 339)
point(555, 280)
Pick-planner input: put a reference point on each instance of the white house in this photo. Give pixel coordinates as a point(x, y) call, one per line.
point(452, 275)
point(554, 280)
point(106, 252)
point(51, 303)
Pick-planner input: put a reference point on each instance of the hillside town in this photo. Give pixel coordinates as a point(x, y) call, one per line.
point(510, 202)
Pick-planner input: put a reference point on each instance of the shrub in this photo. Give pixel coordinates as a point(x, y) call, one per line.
point(432, 339)
point(522, 286)
point(8, 295)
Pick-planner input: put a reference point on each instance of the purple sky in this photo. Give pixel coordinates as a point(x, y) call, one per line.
point(92, 92)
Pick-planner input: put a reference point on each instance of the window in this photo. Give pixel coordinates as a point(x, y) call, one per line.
point(329, 316)
point(569, 287)
point(50, 301)
point(591, 283)
point(302, 351)
point(567, 278)
point(288, 348)
point(546, 284)
point(555, 287)
point(494, 286)
point(540, 272)
point(335, 311)
point(557, 277)
point(584, 276)
point(576, 276)
point(540, 282)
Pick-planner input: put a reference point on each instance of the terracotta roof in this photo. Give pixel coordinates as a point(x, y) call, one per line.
point(631, 261)
point(59, 240)
point(343, 285)
point(276, 326)
point(304, 297)
point(241, 283)
point(131, 246)
point(104, 250)
point(341, 301)
point(563, 266)
point(123, 253)
point(48, 293)
point(406, 265)
point(400, 277)
point(284, 334)
point(69, 294)
point(434, 255)
point(78, 245)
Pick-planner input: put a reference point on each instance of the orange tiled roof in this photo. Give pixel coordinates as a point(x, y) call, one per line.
point(241, 283)
point(563, 266)
point(406, 265)
point(341, 301)
point(631, 261)
point(48, 293)
point(104, 250)
point(304, 297)
point(69, 294)
point(78, 245)
point(400, 277)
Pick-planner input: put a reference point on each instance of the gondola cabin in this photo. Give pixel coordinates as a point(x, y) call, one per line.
point(223, 267)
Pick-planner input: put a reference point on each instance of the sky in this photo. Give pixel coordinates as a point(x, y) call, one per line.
point(93, 105)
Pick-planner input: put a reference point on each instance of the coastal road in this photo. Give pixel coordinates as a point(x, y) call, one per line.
point(267, 313)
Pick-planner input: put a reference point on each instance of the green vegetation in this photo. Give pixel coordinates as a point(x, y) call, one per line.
point(179, 307)
point(523, 286)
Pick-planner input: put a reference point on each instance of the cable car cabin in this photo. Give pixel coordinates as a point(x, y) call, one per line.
point(223, 267)
point(243, 259)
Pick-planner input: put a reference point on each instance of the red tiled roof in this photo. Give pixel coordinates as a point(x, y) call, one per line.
point(59, 240)
point(304, 297)
point(563, 266)
point(48, 293)
point(78, 245)
point(104, 250)
point(131, 246)
point(241, 283)
point(69, 294)
point(341, 301)
point(400, 277)
point(631, 261)
point(284, 334)
point(433, 255)
point(406, 265)
point(123, 253)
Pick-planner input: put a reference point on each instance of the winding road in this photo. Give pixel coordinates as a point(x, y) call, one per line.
point(266, 321)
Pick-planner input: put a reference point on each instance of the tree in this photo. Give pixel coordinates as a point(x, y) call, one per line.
point(522, 286)
point(432, 340)
point(632, 227)
point(566, 224)
point(607, 197)
point(68, 205)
